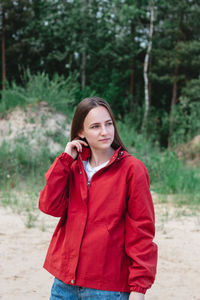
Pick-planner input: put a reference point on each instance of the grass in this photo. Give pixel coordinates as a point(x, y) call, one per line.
point(168, 174)
point(61, 93)
point(22, 202)
point(22, 176)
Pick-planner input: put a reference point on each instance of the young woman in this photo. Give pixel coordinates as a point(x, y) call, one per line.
point(102, 247)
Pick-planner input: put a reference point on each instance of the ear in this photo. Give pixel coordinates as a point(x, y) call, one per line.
point(80, 134)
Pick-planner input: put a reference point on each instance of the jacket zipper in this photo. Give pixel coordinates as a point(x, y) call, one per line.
point(89, 183)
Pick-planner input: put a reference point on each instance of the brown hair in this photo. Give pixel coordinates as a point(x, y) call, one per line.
point(81, 112)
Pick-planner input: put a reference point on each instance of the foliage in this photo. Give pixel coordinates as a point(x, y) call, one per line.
point(187, 121)
point(62, 94)
point(168, 174)
point(104, 43)
point(187, 113)
point(19, 161)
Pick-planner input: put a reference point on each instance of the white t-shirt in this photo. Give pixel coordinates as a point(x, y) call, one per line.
point(91, 171)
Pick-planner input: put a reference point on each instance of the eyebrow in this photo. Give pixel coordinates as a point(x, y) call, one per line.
point(100, 123)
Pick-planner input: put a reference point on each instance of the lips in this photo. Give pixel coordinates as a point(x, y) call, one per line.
point(104, 140)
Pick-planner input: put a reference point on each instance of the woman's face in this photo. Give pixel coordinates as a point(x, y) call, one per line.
point(98, 128)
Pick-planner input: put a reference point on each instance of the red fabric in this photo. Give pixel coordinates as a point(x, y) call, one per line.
point(104, 237)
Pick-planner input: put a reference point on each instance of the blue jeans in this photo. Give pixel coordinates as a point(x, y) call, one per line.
point(63, 291)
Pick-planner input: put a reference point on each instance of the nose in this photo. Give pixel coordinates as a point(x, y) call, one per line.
point(103, 130)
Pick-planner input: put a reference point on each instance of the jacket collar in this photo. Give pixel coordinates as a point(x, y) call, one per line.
point(118, 154)
point(85, 154)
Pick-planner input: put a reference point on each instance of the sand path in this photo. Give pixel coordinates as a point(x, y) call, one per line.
point(23, 251)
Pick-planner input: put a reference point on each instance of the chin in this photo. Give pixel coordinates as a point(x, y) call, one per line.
point(101, 147)
point(105, 146)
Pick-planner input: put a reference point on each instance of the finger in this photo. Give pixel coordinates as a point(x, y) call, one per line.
point(77, 145)
point(79, 140)
point(83, 142)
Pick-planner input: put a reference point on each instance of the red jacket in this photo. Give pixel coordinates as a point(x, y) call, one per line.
point(104, 237)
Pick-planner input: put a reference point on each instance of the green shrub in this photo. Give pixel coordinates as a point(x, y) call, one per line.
point(59, 92)
point(186, 121)
point(168, 174)
point(20, 162)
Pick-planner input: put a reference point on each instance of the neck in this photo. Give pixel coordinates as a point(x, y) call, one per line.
point(98, 157)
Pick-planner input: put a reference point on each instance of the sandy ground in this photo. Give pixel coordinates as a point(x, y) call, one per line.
point(38, 124)
point(23, 251)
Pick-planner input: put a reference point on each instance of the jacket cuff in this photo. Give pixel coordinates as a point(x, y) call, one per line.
point(138, 289)
point(66, 159)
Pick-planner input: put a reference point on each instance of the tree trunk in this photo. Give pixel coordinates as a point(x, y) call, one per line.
point(146, 65)
point(149, 85)
point(3, 51)
point(84, 55)
point(83, 68)
point(132, 72)
point(175, 88)
point(173, 102)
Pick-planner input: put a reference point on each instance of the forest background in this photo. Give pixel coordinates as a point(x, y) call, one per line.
point(142, 56)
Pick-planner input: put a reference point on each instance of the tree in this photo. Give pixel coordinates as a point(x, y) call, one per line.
point(176, 28)
point(146, 65)
point(3, 28)
point(15, 15)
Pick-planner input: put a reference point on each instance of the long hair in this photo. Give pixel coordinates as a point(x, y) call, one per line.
point(81, 112)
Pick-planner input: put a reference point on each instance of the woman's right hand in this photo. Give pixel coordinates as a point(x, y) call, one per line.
point(74, 147)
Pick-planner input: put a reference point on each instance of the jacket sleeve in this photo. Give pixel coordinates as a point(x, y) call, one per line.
point(140, 230)
point(54, 197)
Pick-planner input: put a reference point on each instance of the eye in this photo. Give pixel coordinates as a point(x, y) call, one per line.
point(109, 123)
point(95, 126)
